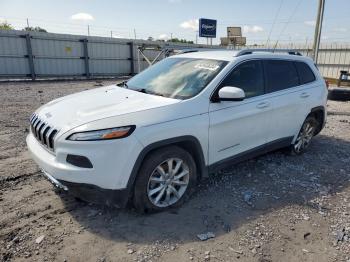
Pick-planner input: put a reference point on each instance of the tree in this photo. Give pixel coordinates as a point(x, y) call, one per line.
point(177, 40)
point(6, 26)
point(34, 29)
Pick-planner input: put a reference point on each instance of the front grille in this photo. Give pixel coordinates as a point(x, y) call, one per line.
point(43, 132)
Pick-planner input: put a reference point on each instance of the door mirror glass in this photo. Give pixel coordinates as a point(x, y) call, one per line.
point(230, 93)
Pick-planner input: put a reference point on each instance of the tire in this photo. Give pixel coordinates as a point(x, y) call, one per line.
point(339, 94)
point(305, 135)
point(154, 185)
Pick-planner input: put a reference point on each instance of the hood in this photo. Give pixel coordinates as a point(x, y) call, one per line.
point(87, 106)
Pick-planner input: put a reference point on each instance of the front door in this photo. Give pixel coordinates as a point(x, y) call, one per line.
point(236, 127)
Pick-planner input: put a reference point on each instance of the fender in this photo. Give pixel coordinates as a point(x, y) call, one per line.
point(197, 154)
point(316, 110)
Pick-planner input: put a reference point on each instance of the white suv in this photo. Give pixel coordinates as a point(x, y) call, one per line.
point(150, 139)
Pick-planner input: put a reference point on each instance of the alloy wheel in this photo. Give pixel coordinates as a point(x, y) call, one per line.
point(168, 182)
point(304, 138)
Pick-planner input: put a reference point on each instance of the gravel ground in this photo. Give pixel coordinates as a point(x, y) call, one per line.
point(272, 208)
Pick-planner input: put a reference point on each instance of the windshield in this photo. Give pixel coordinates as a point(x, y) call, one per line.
point(180, 78)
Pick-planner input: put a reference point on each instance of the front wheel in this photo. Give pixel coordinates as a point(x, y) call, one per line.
point(305, 136)
point(166, 178)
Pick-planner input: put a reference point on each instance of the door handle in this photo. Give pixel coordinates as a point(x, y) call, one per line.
point(263, 105)
point(304, 95)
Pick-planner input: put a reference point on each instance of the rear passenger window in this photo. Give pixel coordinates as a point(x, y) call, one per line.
point(280, 75)
point(247, 76)
point(305, 73)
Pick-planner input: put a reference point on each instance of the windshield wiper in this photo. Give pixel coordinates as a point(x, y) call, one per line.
point(143, 90)
point(123, 84)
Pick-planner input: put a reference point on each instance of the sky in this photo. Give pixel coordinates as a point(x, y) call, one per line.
point(283, 20)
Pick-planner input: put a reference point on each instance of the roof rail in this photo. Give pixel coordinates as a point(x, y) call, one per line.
point(192, 50)
point(251, 51)
point(199, 49)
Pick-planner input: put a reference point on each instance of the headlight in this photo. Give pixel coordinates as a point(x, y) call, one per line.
point(103, 134)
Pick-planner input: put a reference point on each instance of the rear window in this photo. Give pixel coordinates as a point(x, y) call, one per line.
point(280, 75)
point(305, 73)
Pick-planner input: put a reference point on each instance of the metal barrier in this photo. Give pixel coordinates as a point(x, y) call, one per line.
point(44, 55)
point(36, 55)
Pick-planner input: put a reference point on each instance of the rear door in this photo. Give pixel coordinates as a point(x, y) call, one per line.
point(238, 126)
point(289, 95)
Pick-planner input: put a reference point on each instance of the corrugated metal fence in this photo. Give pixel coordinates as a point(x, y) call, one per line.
point(332, 57)
point(45, 55)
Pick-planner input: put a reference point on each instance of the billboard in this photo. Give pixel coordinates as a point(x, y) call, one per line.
point(234, 31)
point(207, 28)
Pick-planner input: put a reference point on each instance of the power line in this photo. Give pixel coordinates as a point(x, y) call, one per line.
point(274, 21)
point(290, 18)
point(278, 21)
point(127, 29)
point(123, 32)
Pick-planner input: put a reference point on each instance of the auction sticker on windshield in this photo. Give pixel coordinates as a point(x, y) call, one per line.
point(207, 66)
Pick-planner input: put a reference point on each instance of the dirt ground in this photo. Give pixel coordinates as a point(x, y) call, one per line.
point(272, 208)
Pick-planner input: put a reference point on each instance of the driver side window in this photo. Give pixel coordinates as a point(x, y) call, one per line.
point(247, 76)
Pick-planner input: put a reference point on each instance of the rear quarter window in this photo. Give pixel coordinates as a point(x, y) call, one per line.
point(305, 73)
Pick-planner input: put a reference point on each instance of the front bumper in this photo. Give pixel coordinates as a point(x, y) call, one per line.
point(91, 193)
point(112, 161)
point(107, 182)
point(54, 181)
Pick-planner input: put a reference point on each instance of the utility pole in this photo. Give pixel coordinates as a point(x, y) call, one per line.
point(135, 33)
point(27, 22)
point(111, 34)
point(318, 29)
point(306, 46)
point(88, 30)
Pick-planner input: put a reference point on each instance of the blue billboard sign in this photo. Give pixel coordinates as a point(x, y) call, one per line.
point(207, 28)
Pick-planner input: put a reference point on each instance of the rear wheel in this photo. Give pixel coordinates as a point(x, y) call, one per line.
point(305, 136)
point(165, 180)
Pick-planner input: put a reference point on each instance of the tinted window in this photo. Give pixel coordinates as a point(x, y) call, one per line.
point(305, 73)
point(280, 75)
point(247, 76)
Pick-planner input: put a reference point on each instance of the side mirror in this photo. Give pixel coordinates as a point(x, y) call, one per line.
point(230, 93)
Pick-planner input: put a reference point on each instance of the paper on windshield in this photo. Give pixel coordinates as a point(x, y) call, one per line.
point(207, 66)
